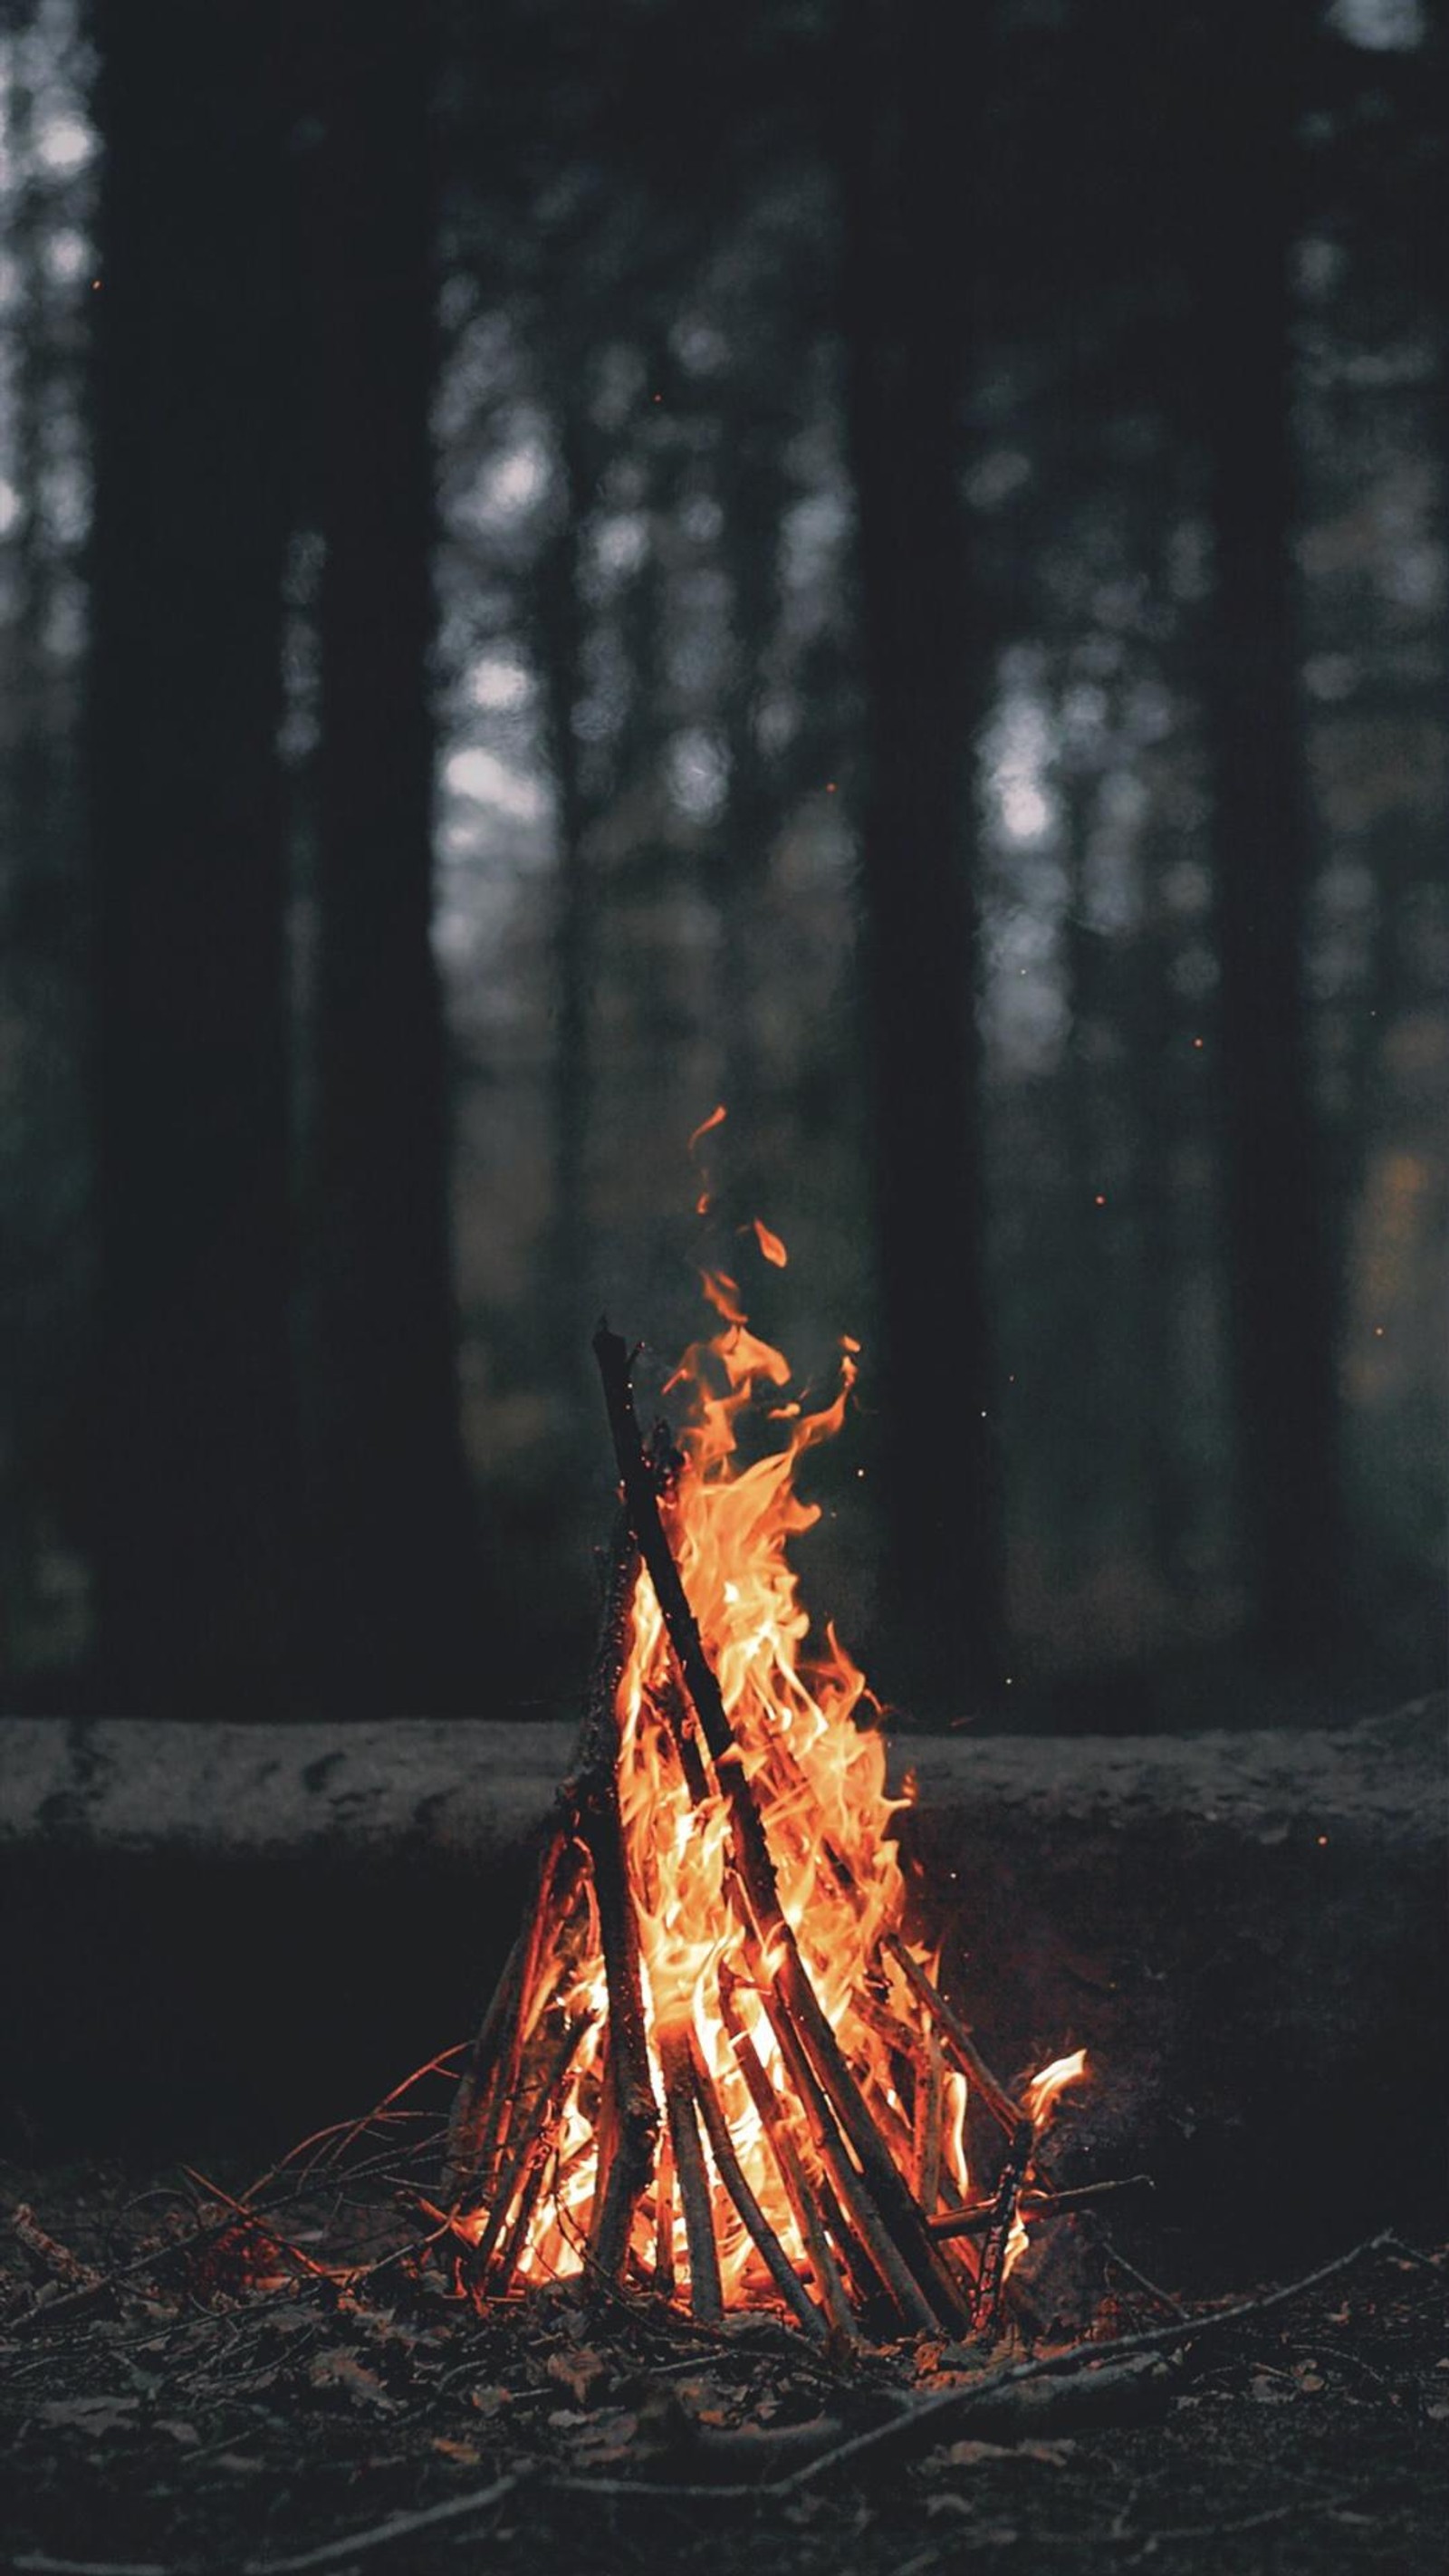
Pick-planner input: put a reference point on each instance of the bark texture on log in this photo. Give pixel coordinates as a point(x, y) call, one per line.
point(474, 1789)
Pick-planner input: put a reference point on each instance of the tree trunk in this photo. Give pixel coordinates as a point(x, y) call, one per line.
point(905, 218)
point(193, 1425)
point(1283, 1258)
point(753, 497)
point(392, 1523)
point(559, 629)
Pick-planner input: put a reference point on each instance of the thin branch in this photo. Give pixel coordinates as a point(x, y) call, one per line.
point(998, 2101)
point(253, 2218)
point(36, 2563)
point(400, 2526)
point(1080, 2356)
point(930, 2414)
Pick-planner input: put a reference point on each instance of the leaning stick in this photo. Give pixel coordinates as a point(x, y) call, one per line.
point(732, 2174)
point(992, 2272)
point(525, 2136)
point(506, 2263)
point(478, 2091)
point(664, 2217)
point(605, 2139)
point(884, 2255)
point(927, 2114)
point(475, 2157)
point(705, 2297)
point(998, 2101)
point(684, 1740)
point(635, 2125)
point(975, 2219)
point(787, 2161)
point(901, 2217)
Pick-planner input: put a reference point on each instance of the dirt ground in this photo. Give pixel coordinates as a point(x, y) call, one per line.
point(181, 2393)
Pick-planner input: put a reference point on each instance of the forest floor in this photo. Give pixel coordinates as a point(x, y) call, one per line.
point(180, 2395)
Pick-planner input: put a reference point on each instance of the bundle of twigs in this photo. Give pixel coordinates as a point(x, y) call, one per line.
point(868, 2198)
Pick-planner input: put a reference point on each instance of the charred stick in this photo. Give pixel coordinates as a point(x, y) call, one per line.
point(792, 2173)
point(899, 2214)
point(705, 2298)
point(976, 2219)
point(731, 2173)
point(997, 2241)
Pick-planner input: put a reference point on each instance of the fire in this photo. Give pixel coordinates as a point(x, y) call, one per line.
point(709, 1975)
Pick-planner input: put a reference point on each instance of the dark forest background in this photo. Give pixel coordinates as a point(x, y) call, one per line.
point(878, 562)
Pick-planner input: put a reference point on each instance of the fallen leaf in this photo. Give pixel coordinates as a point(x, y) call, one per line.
point(584, 2373)
point(609, 2438)
point(352, 2378)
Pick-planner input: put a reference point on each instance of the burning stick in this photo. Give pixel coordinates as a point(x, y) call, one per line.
point(731, 2173)
point(704, 2288)
point(926, 2117)
point(787, 2160)
point(527, 2141)
point(998, 2234)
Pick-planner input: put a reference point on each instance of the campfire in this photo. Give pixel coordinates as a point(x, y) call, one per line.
point(718, 2067)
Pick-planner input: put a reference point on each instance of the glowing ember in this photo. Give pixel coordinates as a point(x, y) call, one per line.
point(735, 2184)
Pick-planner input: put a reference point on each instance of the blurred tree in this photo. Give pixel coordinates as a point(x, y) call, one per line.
point(194, 1465)
point(909, 256)
point(1285, 1264)
point(396, 1612)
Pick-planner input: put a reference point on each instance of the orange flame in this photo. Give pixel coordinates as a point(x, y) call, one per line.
point(770, 1244)
point(715, 1119)
point(819, 1776)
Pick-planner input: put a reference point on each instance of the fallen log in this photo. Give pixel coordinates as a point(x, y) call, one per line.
point(232, 1932)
